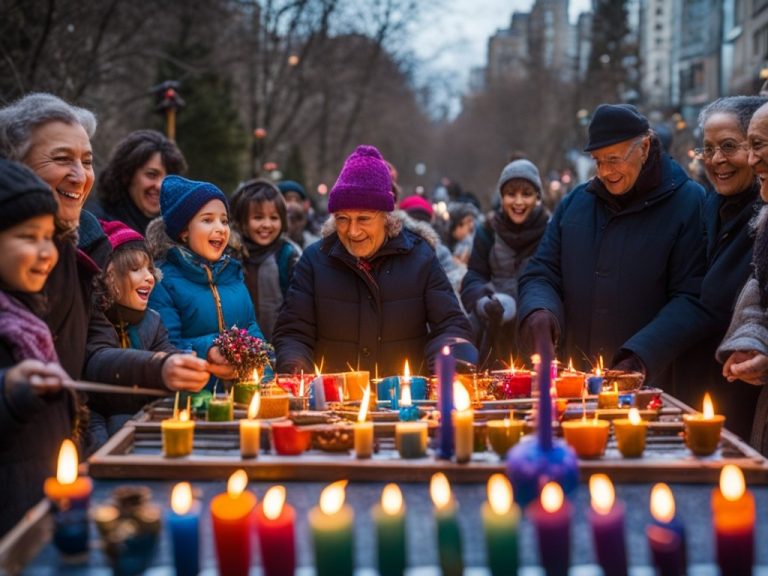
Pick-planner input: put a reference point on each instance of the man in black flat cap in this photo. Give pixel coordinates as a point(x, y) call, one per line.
point(618, 270)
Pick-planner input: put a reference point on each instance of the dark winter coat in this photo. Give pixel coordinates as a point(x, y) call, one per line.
point(622, 280)
point(123, 210)
point(340, 313)
point(729, 256)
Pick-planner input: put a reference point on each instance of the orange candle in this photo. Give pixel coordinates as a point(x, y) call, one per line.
point(250, 429)
point(570, 384)
point(702, 431)
point(587, 437)
point(630, 434)
point(733, 510)
point(232, 515)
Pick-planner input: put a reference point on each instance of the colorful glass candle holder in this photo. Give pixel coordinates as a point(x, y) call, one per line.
point(630, 436)
point(507, 384)
point(587, 437)
point(702, 435)
point(221, 409)
point(503, 434)
point(569, 385)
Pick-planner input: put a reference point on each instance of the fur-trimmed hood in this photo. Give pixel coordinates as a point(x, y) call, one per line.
point(396, 221)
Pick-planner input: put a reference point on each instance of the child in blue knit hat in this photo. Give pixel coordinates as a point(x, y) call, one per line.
point(202, 292)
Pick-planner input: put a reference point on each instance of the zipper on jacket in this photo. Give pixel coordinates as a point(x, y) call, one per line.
point(216, 298)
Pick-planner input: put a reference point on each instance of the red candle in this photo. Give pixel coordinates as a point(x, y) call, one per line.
point(232, 515)
point(274, 527)
point(733, 509)
point(607, 520)
point(552, 518)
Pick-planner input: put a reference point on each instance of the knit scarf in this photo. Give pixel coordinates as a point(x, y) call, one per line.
point(256, 253)
point(522, 238)
point(122, 318)
point(26, 335)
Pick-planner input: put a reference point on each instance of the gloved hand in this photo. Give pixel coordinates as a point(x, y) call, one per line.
point(539, 332)
point(629, 362)
point(498, 308)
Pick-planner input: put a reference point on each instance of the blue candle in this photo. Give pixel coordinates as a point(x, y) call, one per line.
point(445, 371)
point(184, 525)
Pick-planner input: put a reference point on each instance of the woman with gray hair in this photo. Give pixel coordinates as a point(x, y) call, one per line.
point(727, 213)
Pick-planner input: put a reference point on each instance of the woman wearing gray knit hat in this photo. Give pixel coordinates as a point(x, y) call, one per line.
point(501, 249)
point(371, 293)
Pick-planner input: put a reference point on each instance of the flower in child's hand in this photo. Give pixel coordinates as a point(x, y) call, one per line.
point(243, 351)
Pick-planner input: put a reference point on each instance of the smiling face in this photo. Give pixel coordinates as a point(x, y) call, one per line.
point(61, 155)
point(619, 165)
point(131, 279)
point(757, 137)
point(362, 232)
point(27, 254)
point(144, 189)
point(518, 199)
point(207, 233)
point(264, 224)
point(731, 173)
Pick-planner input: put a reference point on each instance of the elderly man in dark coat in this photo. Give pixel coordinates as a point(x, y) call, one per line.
point(371, 294)
point(619, 269)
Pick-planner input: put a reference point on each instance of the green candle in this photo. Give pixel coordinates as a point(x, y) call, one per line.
point(448, 535)
point(389, 517)
point(500, 518)
point(221, 410)
point(331, 526)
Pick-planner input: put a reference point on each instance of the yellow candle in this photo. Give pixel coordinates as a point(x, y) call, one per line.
point(587, 437)
point(630, 434)
point(608, 398)
point(178, 435)
point(363, 429)
point(250, 430)
point(702, 431)
point(463, 424)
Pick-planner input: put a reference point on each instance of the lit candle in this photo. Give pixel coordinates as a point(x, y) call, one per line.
point(69, 495)
point(517, 384)
point(500, 519)
point(551, 516)
point(445, 368)
point(588, 437)
point(411, 439)
point(242, 392)
point(503, 434)
point(221, 409)
point(408, 412)
point(595, 383)
point(364, 430)
point(702, 431)
point(630, 434)
point(178, 435)
point(609, 398)
point(275, 530)
point(389, 518)
point(250, 430)
point(331, 527)
point(356, 382)
point(448, 534)
point(463, 424)
point(570, 384)
point(666, 535)
point(183, 521)
point(232, 515)
point(607, 519)
point(733, 509)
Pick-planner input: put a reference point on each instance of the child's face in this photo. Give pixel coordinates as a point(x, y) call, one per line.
point(264, 224)
point(28, 254)
point(132, 287)
point(208, 232)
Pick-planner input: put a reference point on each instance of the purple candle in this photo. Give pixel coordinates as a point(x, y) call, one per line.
point(551, 515)
point(545, 401)
point(445, 371)
point(666, 536)
point(607, 520)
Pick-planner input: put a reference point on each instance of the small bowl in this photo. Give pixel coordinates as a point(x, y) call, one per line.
point(333, 438)
point(624, 381)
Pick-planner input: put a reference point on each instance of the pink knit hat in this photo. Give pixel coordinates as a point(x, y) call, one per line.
point(417, 203)
point(119, 234)
point(364, 183)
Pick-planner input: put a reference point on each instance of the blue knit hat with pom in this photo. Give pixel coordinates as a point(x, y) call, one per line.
point(364, 183)
point(181, 199)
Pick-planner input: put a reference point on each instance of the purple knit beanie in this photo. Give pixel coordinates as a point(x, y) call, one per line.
point(364, 183)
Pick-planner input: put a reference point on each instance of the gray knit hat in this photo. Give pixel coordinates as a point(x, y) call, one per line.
point(524, 169)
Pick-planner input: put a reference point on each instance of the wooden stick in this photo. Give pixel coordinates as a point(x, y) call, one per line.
point(112, 389)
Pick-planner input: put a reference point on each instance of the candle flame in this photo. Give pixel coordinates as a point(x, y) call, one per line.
point(499, 494)
point(364, 405)
point(391, 499)
point(406, 372)
point(461, 398)
point(662, 503)
point(512, 365)
point(341, 393)
point(274, 500)
point(318, 372)
point(634, 416)
point(536, 359)
point(600, 362)
point(181, 498)
point(440, 490)
point(598, 371)
point(602, 493)
point(237, 483)
point(255, 376)
point(66, 471)
point(332, 497)
point(253, 407)
point(507, 423)
point(552, 497)
point(405, 395)
point(184, 415)
point(709, 409)
point(615, 388)
point(732, 483)
point(570, 365)
point(301, 386)
point(446, 351)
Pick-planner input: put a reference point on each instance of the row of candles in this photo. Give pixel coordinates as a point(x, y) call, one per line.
point(236, 516)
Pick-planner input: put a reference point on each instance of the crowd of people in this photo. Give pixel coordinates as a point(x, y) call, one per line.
point(639, 265)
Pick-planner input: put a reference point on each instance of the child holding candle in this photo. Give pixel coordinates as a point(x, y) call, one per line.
point(202, 291)
point(31, 395)
point(268, 256)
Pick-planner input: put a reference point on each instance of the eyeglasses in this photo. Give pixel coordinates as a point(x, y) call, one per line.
point(613, 161)
point(727, 149)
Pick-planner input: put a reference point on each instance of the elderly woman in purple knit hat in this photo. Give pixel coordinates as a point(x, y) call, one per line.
point(371, 294)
